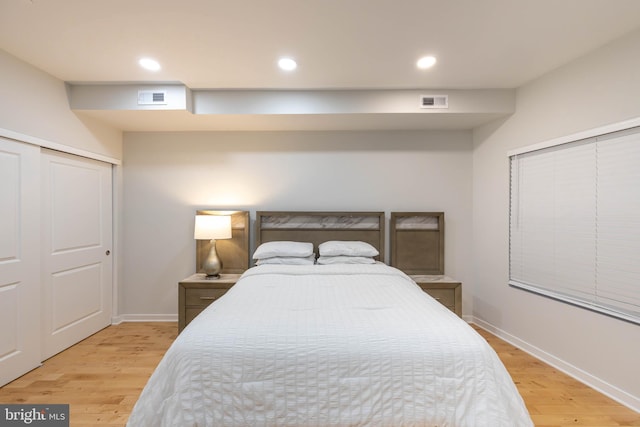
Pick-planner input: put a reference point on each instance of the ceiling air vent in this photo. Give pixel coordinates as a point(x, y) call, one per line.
point(152, 97)
point(434, 101)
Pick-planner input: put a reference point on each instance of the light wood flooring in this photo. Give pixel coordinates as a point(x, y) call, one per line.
point(102, 376)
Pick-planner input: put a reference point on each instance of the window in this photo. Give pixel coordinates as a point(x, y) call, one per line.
point(574, 229)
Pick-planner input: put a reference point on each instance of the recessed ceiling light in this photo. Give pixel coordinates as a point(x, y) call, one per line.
point(287, 64)
point(426, 62)
point(149, 64)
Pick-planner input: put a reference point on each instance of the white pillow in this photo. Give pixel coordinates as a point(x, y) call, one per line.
point(288, 260)
point(283, 249)
point(348, 248)
point(341, 259)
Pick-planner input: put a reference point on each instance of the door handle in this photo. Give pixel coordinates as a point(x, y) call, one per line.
point(108, 252)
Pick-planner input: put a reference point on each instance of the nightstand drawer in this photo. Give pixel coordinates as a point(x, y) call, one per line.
point(191, 313)
point(446, 297)
point(195, 293)
point(444, 289)
point(202, 297)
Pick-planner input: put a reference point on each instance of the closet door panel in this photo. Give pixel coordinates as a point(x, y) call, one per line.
point(20, 348)
point(77, 266)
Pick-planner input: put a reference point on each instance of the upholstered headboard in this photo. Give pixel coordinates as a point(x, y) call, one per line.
point(319, 227)
point(233, 252)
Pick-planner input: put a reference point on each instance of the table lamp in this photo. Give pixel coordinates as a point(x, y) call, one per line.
point(212, 227)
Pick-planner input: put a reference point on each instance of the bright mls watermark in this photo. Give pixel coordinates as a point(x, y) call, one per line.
point(34, 415)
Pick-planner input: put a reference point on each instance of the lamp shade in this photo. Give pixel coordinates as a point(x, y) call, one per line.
point(212, 227)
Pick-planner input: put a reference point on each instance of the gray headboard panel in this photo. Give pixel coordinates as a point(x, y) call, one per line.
point(417, 242)
point(318, 227)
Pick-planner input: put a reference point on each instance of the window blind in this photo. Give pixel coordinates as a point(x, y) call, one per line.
point(574, 230)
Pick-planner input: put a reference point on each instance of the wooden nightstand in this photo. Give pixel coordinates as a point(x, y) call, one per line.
point(196, 292)
point(442, 288)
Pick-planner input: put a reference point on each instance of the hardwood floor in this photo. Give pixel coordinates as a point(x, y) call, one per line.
point(102, 376)
point(553, 398)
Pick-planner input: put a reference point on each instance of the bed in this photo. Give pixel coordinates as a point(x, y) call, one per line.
point(328, 345)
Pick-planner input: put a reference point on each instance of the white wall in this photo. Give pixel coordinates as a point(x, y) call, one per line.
point(598, 89)
point(168, 176)
point(35, 104)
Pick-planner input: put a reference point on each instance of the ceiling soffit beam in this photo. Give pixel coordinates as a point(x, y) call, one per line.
point(129, 97)
point(125, 97)
point(498, 101)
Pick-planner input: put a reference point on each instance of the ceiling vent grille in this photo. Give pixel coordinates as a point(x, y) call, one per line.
point(434, 101)
point(152, 97)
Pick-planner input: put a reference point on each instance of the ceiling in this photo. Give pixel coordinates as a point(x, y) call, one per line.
point(338, 44)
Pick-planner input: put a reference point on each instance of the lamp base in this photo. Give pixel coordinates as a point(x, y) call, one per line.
point(213, 264)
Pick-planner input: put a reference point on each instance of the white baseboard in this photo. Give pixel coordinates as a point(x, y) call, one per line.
point(116, 320)
point(620, 396)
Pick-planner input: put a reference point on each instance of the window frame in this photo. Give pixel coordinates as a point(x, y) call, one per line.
point(593, 136)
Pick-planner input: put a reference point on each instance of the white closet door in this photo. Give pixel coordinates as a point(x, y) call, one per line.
point(20, 349)
point(77, 240)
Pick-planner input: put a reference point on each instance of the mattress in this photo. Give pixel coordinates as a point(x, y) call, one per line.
point(329, 345)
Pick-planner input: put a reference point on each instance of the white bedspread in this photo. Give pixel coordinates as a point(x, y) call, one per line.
point(331, 345)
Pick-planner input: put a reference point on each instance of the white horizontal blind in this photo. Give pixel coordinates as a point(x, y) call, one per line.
point(574, 223)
